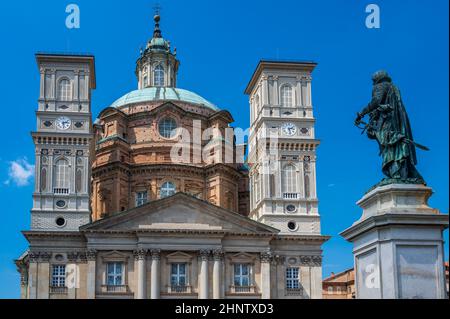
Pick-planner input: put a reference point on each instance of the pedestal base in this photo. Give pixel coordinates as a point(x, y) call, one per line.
point(398, 244)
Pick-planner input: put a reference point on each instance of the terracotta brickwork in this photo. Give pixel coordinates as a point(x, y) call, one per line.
point(131, 156)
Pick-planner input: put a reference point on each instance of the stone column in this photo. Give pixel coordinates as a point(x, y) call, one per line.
point(266, 259)
point(33, 275)
point(217, 274)
point(91, 256)
point(43, 284)
point(203, 283)
point(141, 258)
point(155, 290)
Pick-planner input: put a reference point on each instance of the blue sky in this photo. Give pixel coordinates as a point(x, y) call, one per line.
point(219, 44)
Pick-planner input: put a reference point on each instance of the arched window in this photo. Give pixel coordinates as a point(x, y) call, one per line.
point(167, 189)
point(286, 96)
point(64, 90)
point(158, 79)
point(289, 179)
point(62, 174)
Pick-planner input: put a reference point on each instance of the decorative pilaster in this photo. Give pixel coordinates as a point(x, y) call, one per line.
point(298, 95)
point(91, 256)
point(141, 259)
point(42, 86)
point(265, 91)
point(276, 100)
point(217, 273)
point(33, 274)
point(266, 260)
point(203, 284)
point(155, 274)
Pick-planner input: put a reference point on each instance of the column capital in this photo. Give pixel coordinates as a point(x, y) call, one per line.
point(140, 254)
point(311, 260)
point(72, 256)
point(204, 254)
point(91, 255)
point(266, 256)
point(33, 257)
point(218, 254)
point(83, 257)
point(156, 254)
point(45, 256)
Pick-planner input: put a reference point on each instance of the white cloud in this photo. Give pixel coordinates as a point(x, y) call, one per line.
point(20, 172)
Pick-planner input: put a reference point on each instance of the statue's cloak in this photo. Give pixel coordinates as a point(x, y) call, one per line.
point(395, 131)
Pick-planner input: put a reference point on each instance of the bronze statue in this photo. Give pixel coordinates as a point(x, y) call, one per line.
point(389, 126)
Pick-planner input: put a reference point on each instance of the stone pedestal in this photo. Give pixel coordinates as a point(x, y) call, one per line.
point(398, 244)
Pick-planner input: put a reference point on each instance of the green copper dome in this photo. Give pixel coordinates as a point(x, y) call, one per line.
point(163, 94)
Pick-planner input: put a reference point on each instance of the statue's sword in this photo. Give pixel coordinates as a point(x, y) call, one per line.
point(407, 140)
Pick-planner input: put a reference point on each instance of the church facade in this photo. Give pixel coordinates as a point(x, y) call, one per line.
point(145, 202)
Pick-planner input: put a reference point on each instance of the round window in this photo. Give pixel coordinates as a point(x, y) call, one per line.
point(292, 226)
point(61, 203)
point(60, 221)
point(291, 208)
point(168, 127)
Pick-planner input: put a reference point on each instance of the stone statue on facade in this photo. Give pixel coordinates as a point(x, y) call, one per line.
point(389, 126)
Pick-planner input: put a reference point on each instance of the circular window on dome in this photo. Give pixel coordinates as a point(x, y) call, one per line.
point(292, 226)
point(60, 222)
point(168, 127)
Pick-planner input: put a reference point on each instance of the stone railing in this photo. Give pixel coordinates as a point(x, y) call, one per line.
point(115, 289)
point(61, 191)
point(294, 291)
point(242, 289)
point(180, 289)
point(58, 290)
point(290, 195)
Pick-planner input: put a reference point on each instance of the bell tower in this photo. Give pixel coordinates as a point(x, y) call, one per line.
point(63, 142)
point(282, 148)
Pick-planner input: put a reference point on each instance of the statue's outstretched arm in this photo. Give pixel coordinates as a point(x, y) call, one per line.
point(377, 97)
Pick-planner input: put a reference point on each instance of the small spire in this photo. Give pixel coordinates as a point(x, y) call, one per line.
point(157, 32)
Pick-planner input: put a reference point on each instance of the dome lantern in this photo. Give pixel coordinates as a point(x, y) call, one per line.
point(157, 66)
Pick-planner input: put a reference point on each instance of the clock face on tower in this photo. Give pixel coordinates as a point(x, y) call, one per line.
point(289, 129)
point(63, 123)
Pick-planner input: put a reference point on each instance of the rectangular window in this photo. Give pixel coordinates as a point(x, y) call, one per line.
point(141, 198)
point(292, 278)
point(114, 274)
point(178, 275)
point(59, 276)
point(242, 275)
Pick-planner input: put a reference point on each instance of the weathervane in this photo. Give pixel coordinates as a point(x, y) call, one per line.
point(157, 9)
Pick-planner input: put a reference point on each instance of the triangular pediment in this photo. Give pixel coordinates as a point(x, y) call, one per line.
point(180, 212)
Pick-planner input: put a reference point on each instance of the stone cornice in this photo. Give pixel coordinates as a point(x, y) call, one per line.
point(395, 219)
